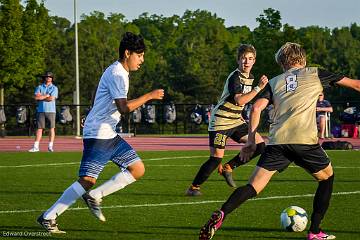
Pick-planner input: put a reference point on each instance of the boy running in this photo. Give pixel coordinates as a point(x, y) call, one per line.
point(226, 119)
point(101, 142)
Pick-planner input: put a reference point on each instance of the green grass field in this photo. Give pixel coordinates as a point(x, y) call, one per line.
point(155, 207)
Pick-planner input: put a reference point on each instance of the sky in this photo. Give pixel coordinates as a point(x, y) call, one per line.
point(297, 13)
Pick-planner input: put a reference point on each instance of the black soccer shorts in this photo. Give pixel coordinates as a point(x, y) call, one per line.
point(218, 139)
point(278, 157)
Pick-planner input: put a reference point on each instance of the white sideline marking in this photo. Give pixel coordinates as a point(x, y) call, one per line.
point(72, 163)
point(146, 160)
point(247, 165)
point(180, 203)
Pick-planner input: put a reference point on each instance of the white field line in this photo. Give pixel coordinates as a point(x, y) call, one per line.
point(179, 203)
point(246, 165)
point(73, 163)
point(147, 160)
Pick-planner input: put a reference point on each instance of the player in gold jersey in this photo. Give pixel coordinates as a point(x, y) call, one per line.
point(226, 119)
point(292, 136)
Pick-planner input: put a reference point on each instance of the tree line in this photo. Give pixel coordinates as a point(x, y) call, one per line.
point(189, 56)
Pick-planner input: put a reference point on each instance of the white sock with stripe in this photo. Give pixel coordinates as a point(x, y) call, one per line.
point(69, 197)
point(117, 182)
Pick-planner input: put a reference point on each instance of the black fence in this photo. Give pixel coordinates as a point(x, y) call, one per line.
point(148, 119)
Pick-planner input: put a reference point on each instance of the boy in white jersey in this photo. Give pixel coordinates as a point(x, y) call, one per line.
point(292, 136)
point(101, 142)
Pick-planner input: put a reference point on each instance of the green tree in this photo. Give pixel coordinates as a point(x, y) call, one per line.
point(11, 47)
point(160, 34)
point(315, 40)
point(267, 40)
point(98, 47)
point(60, 57)
point(36, 34)
point(199, 60)
point(344, 54)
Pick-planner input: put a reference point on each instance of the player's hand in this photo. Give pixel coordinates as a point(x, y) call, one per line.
point(263, 81)
point(220, 169)
point(157, 94)
point(247, 151)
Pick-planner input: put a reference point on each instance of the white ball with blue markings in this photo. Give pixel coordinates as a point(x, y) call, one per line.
point(294, 219)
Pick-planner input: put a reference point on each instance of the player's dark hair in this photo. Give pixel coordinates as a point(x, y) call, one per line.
point(132, 43)
point(245, 48)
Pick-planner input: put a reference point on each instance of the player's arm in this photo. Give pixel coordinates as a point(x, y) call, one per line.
point(50, 98)
point(125, 106)
point(330, 79)
point(39, 97)
point(248, 150)
point(324, 109)
point(349, 83)
point(242, 99)
point(260, 104)
point(255, 114)
point(52, 95)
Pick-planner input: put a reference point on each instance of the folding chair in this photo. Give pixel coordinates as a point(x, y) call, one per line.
point(327, 125)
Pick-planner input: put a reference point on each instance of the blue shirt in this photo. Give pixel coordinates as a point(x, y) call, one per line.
point(42, 105)
point(323, 104)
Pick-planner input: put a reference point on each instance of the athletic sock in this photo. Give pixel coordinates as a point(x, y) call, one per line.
point(36, 144)
point(51, 144)
point(117, 182)
point(205, 170)
point(70, 195)
point(239, 196)
point(321, 203)
point(236, 162)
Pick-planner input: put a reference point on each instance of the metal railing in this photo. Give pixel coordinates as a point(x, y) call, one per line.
point(183, 123)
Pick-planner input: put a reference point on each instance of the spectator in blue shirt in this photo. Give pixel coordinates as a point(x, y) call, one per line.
point(322, 108)
point(45, 95)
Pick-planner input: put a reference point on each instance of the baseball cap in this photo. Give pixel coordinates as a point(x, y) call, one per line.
point(48, 74)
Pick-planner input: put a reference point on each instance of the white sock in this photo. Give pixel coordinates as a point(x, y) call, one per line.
point(51, 144)
point(70, 195)
point(36, 144)
point(117, 182)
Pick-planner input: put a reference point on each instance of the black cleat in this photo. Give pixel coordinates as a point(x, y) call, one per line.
point(227, 174)
point(193, 191)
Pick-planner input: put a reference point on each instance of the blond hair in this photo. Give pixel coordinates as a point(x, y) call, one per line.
point(290, 54)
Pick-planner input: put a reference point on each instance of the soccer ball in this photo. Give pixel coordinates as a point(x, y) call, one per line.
point(294, 219)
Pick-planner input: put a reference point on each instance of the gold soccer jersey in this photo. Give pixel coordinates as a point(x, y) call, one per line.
point(294, 95)
point(227, 114)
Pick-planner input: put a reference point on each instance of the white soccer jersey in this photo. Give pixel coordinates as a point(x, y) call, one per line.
point(104, 116)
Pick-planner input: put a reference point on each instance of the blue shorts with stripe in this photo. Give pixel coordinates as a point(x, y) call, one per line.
point(98, 152)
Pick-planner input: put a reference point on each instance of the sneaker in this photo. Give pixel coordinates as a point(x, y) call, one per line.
point(214, 223)
point(193, 191)
point(227, 174)
point(319, 236)
point(50, 149)
point(34, 149)
point(49, 225)
point(94, 206)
